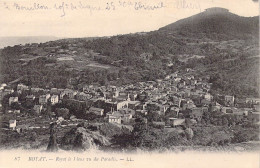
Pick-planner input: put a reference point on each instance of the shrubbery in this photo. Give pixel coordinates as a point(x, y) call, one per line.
point(212, 135)
point(110, 130)
point(245, 135)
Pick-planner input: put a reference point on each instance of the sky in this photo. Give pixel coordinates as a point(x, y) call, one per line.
point(89, 18)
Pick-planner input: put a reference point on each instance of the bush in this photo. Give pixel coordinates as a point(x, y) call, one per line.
point(175, 139)
point(212, 136)
point(246, 135)
point(111, 130)
point(33, 136)
point(63, 112)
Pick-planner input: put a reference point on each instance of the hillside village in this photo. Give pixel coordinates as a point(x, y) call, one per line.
point(193, 82)
point(165, 102)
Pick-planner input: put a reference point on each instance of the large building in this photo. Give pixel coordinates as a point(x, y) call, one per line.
point(115, 105)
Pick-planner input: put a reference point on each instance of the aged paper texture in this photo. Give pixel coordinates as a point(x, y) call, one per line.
point(62, 19)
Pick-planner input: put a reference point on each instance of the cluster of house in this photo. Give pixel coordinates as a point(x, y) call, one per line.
point(178, 94)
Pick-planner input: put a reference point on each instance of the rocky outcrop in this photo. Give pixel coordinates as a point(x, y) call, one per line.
point(81, 138)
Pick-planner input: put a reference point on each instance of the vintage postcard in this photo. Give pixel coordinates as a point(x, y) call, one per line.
point(129, 83)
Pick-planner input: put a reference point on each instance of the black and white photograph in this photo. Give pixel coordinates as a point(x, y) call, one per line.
point(122, 82)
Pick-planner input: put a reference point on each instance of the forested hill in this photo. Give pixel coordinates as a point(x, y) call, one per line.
point(211, 43)
point(178, 37)
point(216, 24)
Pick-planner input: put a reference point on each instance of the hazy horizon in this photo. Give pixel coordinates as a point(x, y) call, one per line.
point(84, 23)
point(61, 37)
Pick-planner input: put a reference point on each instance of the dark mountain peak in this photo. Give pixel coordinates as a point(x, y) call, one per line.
point(216, 10)
point(215, 21)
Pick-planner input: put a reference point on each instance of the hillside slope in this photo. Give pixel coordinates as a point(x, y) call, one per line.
point(223, 24)
point(211, 42)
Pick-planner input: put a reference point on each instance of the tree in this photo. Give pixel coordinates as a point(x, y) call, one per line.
point(188, 122)
point(53, 146)
point(189, 133)
point(78, 142)
point(33, 136)
point(62, 112)
point(91, 116)
point(48, 110)
point(203, 122)
point(153, 116)
point(139, 131)
point(224, 121)
point(16, 106)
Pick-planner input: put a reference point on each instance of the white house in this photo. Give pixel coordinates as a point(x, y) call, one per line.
point(3, 85)
point(253, 100)
point(176, 122)
point(12, 124)
point(70, 93)
point(17, 111)
point(54, 99)
point(121, 116)
point(229, 99)
point(37, 108)
point(43, 99)
point(208, 96)
point(12, 100)
point(21, 87)
point(114, 119)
